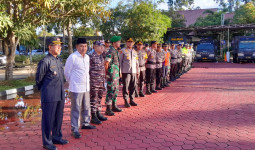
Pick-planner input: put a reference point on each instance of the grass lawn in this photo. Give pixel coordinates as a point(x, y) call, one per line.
point(12, 84)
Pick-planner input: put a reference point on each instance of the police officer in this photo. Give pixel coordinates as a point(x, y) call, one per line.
point(112, 68)
point(142, 58)
point(50, 81)
point(174, 60)
point(179, 60)
point(185, 57)
point(97, 79)
point(129, 67)
point(160, 58)
point(151, 69)
point(166, 65)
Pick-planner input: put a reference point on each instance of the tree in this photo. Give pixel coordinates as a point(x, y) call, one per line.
point(179, 4)
point(139, 21)
point(23, 15)
point(245, 14)
point(213, 18)
point(232, 4)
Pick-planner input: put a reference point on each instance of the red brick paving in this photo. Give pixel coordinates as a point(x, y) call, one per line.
point(211, 107)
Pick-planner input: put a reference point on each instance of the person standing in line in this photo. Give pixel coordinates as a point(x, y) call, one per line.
point(166, 65)
point(50, 83)
point(97, 80)
point(179, 60)
point(112, 68)
point(77, 76)
point(160, 58)
point(174, 60)
point(106, 48)
point(151, 69)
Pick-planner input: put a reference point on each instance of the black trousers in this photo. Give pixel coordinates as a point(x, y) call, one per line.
point(140, 82)
point(52, 117)
point(173, 70)
point(129, 85)
point(150, 75)
point(159, 75)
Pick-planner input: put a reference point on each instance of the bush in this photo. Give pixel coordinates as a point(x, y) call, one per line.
point(20, 58)
point(64, 56)
point(37, 58)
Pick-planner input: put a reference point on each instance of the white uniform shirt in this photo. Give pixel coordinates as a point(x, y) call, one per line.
point(77, 73)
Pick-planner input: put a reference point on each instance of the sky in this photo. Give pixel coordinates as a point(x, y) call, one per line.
point(203, 4)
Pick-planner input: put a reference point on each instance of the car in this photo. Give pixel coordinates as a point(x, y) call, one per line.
point(38, 52)
point(3, 59)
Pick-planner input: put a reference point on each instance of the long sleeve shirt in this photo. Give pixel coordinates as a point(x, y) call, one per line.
point(77, 73)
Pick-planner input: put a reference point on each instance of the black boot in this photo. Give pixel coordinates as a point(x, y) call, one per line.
point(101, 117)
point(153, 89)
point(127, 105)
point(158, 87)
point(162, 83)
point(136, 94)
point(115, 108)
point(141, 94)
point(94, 119)
point(165, 83)
point(109, 111)
point(132, 103)
point(148, 91)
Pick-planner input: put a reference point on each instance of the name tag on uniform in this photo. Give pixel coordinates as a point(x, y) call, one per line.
point(53, 66)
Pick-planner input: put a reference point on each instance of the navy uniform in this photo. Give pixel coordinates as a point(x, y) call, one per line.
point(50, 83)
point(142, 58)
point(129, 68)
point(97, 80)
point(151, 70)
point(160, 58)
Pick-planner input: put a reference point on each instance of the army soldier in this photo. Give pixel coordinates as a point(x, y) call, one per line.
point(142, 58)
point(77, 75)
point(112, 69)
point(151, 69)
point(129, 68)
point(106, 48)
point(50, 82)
point(166, 65)
point(160, 58)
point(97, 79)
point(174, 56)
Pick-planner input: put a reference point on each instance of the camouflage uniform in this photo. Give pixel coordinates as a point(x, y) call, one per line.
point(112, 76)
point(105, 53)
point(97, 79)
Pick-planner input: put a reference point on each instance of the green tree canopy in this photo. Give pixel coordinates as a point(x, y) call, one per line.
point(245, 14)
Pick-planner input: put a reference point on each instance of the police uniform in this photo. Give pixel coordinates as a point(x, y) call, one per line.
point(142, 58)
point(151, 70)
point(179, 62)
point(160, 58)
point(97, 80)
point(112, 77)
point(174, 61)
point(50, 83)
point(129, 68)
point(166, 67)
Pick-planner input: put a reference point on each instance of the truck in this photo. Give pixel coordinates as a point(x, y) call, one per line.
point(243, 48)
point(206, 50)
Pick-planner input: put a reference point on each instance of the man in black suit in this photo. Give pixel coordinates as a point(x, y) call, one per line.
point(50, 81)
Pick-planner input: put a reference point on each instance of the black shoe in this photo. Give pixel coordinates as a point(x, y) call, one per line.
point(141, 94)
point(50, 147)
point(136, 95)
point(109, 111)
point(154, 91)
point(158, 88)
point(162, 86)
point(167, 85)
point(132, 103)
point(126, 104)
point(101, 117)
point(88, 127)
point(115, 108)
point(94, 119)
point(62, 142)
point(76, 135)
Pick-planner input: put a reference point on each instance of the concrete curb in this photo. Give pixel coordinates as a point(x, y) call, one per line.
point(14, 91)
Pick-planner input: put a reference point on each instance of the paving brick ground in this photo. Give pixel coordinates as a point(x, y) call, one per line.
point(211, 107)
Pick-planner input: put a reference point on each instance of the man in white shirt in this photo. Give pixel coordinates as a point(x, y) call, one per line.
point(77, 75)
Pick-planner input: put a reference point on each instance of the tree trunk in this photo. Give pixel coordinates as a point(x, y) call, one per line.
point(44, 40)
point(10, 53)
point(70, 39)
point(64, 38)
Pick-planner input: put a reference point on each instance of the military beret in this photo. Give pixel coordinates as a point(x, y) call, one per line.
point(115, 39)
point(153, 42)
point(139, 43)
point(129, 40)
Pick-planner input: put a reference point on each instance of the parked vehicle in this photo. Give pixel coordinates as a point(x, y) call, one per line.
point(206, 50)
point(243, 48)
point(3, 59)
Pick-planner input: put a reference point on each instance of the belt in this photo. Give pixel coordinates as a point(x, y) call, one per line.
point(158, 62)
point(142, 65)
point(173, 58)
point(150, 62)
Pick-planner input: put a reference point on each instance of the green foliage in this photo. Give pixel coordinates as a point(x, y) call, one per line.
point(5, 23)
point(179, 4)
point(37, 58)
point(139, 21)
point(83, 31)
point(20, 58)
point(10, 84)
point(213, 18)
point(245, 14)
